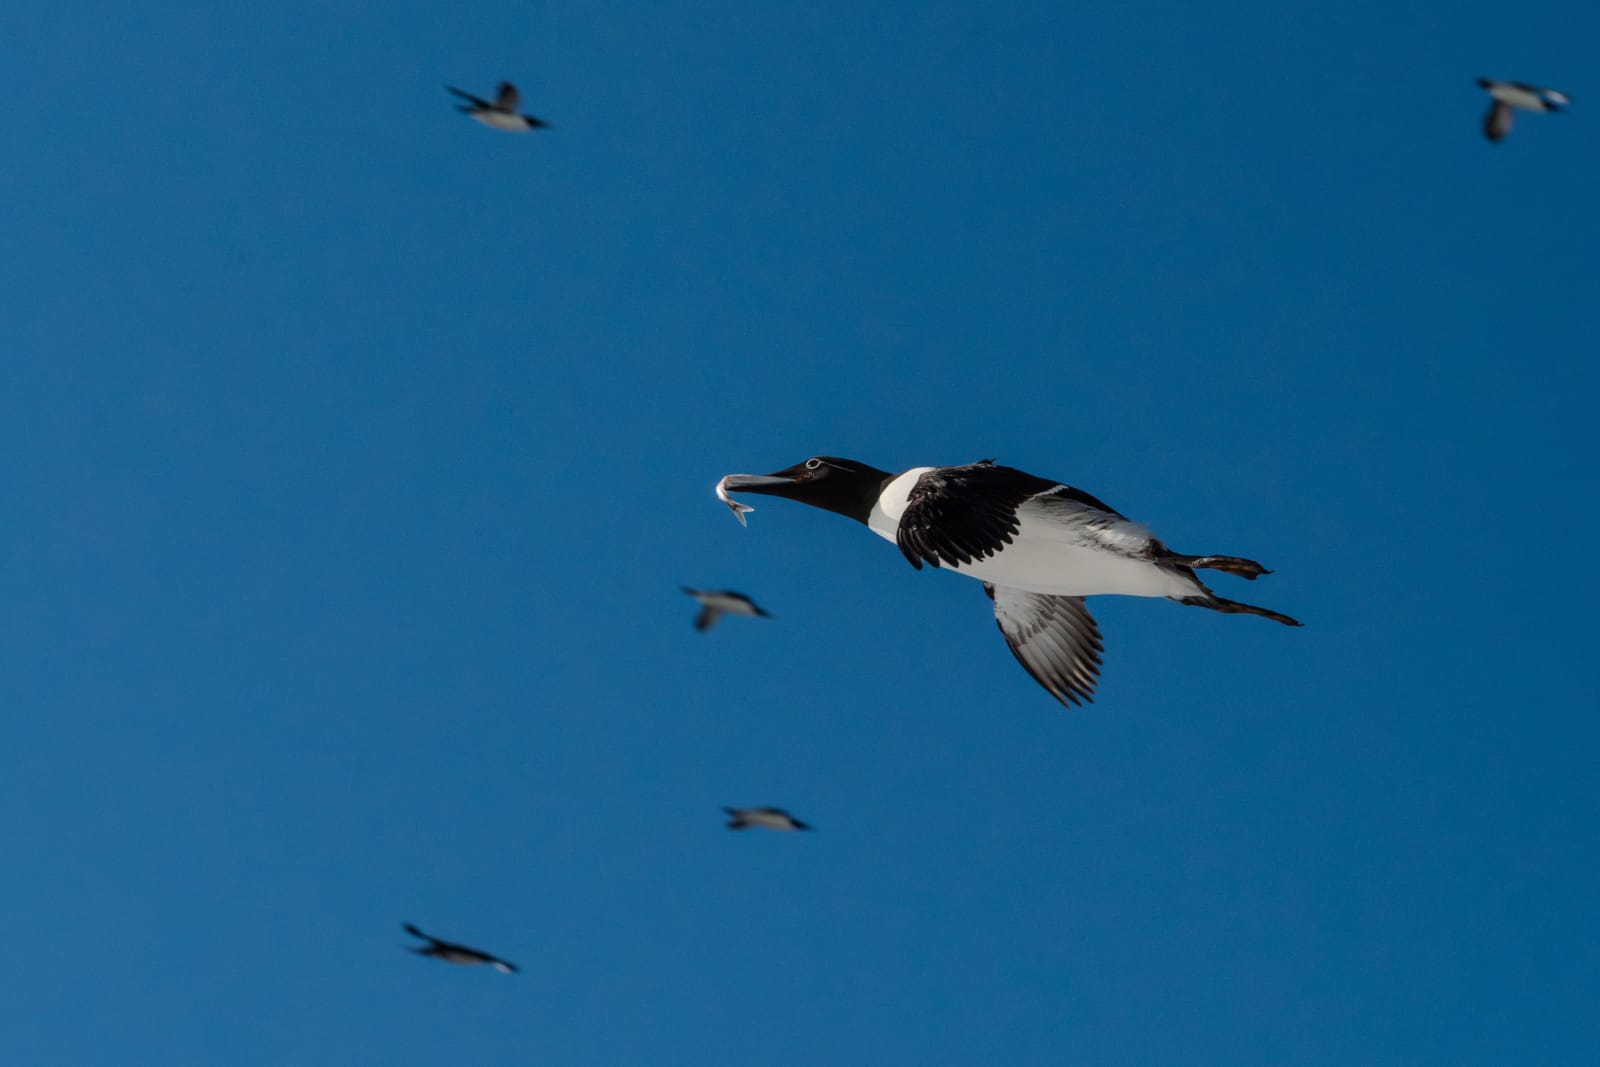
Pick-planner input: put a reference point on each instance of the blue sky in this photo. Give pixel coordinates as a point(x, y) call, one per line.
point(356, 454)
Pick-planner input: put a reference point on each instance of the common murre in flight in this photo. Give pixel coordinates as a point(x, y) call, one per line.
point(453, 953)
point(771, 818)
point(715, 603)
point(502, 113)
point(1508, 97)
point(1038, 546)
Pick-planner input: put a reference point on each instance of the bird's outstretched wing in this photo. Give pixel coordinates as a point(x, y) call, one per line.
point(477, 101)
point(1497, 122)
point(1053, 637)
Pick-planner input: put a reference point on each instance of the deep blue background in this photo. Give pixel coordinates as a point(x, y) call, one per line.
point(354, 453)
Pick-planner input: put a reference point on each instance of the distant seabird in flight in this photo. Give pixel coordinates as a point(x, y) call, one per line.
point(461, 954)
point(1506, 98)
point(502, 113)
point(715, 603)
point(770, 818)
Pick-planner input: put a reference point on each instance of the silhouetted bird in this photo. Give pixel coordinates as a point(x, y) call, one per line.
point(1506, 98)
point(770, 818)
point(502, 113)
point(451, 952)
point(715, 603)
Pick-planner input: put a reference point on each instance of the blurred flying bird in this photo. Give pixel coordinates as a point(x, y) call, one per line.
point(1505, 98)
point(715, 603)
point(770, 818)
point(502, 113)
point(453, 953)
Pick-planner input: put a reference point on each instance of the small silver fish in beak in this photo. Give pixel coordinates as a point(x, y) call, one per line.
point(734, 506)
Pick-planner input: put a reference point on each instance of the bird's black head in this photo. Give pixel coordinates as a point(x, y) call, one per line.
point(828, 482)
point(1484, 83)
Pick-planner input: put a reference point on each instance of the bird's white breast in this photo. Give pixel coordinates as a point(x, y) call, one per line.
point(732, 605)
point(885, 517)
point(500, 120)
point(1527, 101)
point(1046, 557)
point(767, 819)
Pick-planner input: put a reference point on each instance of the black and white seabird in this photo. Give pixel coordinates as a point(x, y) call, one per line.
point(1508, 97)
point(502, 113)
point(1038, 546)
point(715, 603)
point(771, 818)
point(453, 953)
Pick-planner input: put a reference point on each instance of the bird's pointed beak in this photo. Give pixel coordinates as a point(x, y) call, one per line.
point(749, 483)
point(755, 483)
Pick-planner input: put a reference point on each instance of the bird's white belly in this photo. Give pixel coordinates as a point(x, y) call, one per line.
point(728, 605)
point(1064, 569)
point(502, 121)
point(1510, 94)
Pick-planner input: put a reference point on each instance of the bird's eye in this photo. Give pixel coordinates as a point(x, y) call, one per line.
point(813, 464)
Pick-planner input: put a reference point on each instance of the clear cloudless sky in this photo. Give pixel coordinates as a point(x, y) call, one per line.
point(353, 453)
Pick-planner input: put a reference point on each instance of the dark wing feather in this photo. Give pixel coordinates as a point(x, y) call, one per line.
point(957, 515)
point(1497, 123)
point(1053, 637)
point(477, 101)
